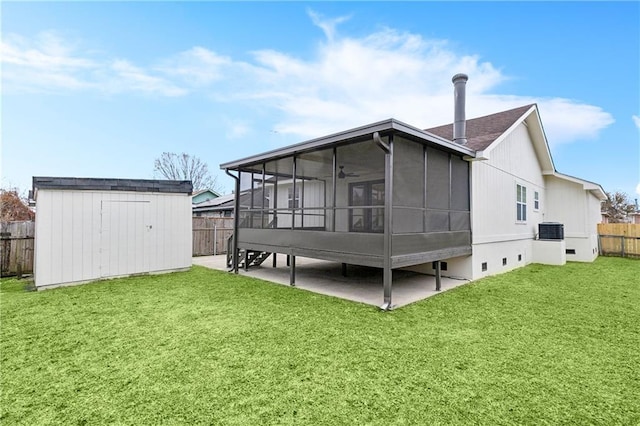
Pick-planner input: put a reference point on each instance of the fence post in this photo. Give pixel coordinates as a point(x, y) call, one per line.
point(622, 244)
point(215, 238)
point(599, 245)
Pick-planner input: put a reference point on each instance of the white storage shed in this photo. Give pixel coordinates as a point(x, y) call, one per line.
point(89, 229)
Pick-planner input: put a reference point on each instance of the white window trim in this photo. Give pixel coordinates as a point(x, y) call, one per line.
point(519, 203)
point(536, 201)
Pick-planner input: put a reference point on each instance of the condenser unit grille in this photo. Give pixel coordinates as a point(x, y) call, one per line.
point(551, 231)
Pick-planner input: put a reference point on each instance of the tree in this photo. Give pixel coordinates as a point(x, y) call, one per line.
point(185, 167)
point(618, 206)
point(13, 207)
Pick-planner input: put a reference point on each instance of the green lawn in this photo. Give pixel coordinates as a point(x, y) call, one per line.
point(541, 345)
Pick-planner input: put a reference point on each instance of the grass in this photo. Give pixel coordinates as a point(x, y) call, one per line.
point(540, 345)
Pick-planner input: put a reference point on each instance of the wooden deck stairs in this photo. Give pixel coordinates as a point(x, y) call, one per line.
point(247, 258)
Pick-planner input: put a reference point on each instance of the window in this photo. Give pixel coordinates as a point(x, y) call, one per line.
point(570, 251)
point(519, 258)
point(536, 201)
point(293, 204)
point(484, 266)
point(521, 203)
point(504, 261)
point(367, 195)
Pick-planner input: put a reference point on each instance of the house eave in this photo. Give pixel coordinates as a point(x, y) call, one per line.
point(386, 126)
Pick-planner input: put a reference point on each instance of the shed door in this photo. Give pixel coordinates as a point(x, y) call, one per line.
point(124, 237)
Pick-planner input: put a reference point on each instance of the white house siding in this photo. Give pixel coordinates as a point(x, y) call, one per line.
point(88, 235)
point(314, 196)
point(579, 211)
point(496, 233)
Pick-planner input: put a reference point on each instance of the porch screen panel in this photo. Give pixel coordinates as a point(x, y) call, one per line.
point(460, 218)
point(360, 163)
point(283, 199)
point(408, 186)
point(438, 189)
point(257, 196)
point(314, 172)
point(245, 199)
point(270, 182)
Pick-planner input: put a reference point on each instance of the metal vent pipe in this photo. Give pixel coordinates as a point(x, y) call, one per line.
point(459, 123)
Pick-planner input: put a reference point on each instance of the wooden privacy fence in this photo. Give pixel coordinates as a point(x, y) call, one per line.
point(619, 239)
point(16, 248)
point(210, 235)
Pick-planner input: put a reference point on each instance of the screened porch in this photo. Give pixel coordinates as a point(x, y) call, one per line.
point(386, 195)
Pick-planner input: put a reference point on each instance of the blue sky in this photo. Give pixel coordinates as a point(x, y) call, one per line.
point(102, 89)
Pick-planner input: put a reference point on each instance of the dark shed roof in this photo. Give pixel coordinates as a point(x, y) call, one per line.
point(482, 131)
point(97, 184)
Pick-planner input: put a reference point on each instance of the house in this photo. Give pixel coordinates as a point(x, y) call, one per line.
point(468, 199)
point(203, 195)
point(89, 229)
point(221, 206)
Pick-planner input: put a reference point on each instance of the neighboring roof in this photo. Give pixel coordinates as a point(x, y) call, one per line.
point(483, 131)
point(98, 184)
point(352, 135)
point(202, 191)
point(223, 202)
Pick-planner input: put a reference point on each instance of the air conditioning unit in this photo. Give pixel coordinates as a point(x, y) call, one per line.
point(550, 231)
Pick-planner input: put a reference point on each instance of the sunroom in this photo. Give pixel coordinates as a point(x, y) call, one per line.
point(385, 195)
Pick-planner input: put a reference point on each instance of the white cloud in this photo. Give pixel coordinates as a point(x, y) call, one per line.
point(567, 121)
point(197, 66)
point(346, 82)
point(328, 26)
point(236, 129)
point(127, 77)
point(49, 63)
point(44, 63)
point(636, 120)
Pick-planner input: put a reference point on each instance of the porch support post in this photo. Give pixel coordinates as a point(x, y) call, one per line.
point(438, 275)
point(388, 211)
point(274, 259)
point(262, 195)
point(292, 271)
point(236, 219)
point(333, 194)
point(293, 208)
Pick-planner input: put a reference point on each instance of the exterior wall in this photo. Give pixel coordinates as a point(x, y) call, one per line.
point(202, 197)
point(313, 196)
point(88, 235)
point(517, 253)
point(579, 211)
point(457, 268)
point(496, 232)
point(550, 252)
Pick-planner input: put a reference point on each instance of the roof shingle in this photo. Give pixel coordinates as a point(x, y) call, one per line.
point(482, 131)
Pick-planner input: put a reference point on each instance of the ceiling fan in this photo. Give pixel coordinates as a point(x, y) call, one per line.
point(342, 174)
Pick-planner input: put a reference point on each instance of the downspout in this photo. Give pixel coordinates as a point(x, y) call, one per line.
point(387, 280)
point(236, 219)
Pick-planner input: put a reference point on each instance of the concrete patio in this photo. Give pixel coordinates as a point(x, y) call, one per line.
point(362, 284)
